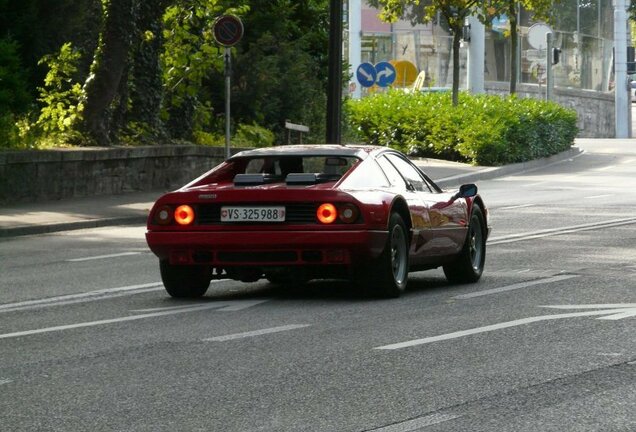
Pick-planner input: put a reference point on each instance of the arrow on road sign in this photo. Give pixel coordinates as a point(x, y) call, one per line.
point(366, 74)
point(606, 312)
point(385, 74)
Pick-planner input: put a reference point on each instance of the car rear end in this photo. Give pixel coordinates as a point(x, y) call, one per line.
point(245, 233)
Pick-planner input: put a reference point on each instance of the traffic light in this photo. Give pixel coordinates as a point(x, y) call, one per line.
point(556, 55)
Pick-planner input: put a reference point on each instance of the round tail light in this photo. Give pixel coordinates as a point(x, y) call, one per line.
point(163, 215)
point(184, 215)
point(327, 213)
point(348, 213)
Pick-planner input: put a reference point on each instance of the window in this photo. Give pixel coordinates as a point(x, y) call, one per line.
point(368, 174)
point(410, 173)
point(392, 174)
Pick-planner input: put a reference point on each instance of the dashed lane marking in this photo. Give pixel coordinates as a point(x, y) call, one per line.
point(81, 297)
point(613, 312)
point(256, 333)
point(515, 286)
point(98, 257)
point(559, 231)
point(224, 306)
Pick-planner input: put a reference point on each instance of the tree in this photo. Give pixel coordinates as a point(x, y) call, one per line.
point(511, 9)
point(108, 69)
point(454, 13)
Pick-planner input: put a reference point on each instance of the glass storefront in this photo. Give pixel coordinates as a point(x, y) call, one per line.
point(583, 32)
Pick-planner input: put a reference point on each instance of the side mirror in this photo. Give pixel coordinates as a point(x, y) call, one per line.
point(467, 191)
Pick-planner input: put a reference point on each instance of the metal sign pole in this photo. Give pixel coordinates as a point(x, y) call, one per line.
point(228, 74)
point(548, 64)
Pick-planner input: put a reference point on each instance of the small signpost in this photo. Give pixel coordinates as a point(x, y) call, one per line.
point(228, 31)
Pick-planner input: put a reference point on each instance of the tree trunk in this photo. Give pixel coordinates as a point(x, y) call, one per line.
point(109, 65)
point(514, 41)
point(146, 92)
point(457, 35)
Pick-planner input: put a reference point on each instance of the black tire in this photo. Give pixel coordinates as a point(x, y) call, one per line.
point(469, 264)
point(387, 277)
point(185, 281)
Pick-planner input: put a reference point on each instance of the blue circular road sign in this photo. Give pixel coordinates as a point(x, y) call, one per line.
point(366, 74)
point(385, 73)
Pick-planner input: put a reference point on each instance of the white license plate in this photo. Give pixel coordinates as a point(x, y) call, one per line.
point(253, 214)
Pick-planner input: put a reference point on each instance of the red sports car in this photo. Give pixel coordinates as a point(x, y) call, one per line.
point(300, 212)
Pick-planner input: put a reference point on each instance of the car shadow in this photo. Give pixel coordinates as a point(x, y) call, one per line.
point(325, 290)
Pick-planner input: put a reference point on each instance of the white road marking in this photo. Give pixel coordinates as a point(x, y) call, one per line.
point(607, 168)
point(627, 310)
point(454, 335)
point(558, 231)
point(516, 207)
point(515, 286)
point(255, 333)
point(5, 381)
point(598, 196)
point(98, 257)
point(222, 306)
point(118, 320)
point(81, 297)
point(418, 423)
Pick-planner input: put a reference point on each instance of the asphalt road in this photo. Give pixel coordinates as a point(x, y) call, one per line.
point(546, 341)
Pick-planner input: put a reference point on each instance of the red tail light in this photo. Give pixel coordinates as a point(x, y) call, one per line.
point(327, 213)
point(184, 215)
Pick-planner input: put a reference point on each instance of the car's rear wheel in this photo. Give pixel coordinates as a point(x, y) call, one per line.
point(469, 265)
point(388, 276)
point(185, 281)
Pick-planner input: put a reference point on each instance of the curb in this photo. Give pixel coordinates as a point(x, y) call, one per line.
point(518, 168)
point(70, 226)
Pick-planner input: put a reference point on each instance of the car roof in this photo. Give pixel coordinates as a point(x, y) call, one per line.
point(360, 151)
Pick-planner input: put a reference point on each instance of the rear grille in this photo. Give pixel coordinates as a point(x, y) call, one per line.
point(296, 213)
point(258, 257)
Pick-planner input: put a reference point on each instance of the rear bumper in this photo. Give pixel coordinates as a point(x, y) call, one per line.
point(263, 248)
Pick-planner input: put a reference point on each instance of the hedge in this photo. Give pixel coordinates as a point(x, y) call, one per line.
point(482, 129)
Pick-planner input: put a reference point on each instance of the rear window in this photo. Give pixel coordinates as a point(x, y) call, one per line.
point(278, 167)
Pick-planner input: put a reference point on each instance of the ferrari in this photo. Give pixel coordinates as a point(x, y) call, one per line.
point(294, 213)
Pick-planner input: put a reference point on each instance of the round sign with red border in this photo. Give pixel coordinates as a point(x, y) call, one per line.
point(228, 30)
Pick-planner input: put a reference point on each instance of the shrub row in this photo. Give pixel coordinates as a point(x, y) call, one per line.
point(482, 129)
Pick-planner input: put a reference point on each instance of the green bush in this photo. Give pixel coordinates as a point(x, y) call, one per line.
point(482, 129)
point(253, 136)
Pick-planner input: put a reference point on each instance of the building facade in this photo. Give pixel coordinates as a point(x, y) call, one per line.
point(583, 78)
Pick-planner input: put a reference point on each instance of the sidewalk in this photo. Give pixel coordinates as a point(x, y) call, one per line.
point(132, 208)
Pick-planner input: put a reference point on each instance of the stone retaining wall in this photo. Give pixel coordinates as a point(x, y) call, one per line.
point(28, 176)
point(596, 116)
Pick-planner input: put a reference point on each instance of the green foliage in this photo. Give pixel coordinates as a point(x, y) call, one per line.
point(61, 95)
point(189, 58)
point(280, 68)
point(14, 96)
point(253, 136)
point(482, 129)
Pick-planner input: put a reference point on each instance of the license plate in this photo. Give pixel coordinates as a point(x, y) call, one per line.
point(253, 214)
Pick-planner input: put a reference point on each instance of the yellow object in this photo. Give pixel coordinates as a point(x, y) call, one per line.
point(406, 73)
